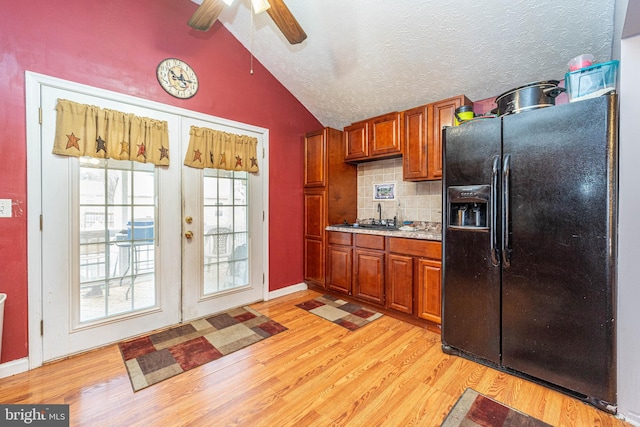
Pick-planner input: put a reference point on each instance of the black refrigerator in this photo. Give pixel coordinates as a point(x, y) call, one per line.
point(529, 245)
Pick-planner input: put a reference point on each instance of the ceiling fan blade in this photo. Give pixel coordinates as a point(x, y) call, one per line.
point(285, 20)
point(206, 14)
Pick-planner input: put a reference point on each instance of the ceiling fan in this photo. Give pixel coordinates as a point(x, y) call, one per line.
point(209, 10)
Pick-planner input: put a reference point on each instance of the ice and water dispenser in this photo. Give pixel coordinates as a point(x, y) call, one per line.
point(468, 206)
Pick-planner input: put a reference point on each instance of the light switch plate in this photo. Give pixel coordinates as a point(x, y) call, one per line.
point(5, 208)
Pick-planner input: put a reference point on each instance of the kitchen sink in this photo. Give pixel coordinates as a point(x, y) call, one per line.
point(369, 227)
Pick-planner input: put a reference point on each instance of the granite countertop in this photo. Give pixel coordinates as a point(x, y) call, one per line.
point(422, 231)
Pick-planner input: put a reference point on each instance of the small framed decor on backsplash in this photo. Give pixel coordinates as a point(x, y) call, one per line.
point(384, 191)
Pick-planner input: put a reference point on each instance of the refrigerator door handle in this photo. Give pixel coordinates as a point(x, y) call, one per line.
point(506, 171)
point(495, 254)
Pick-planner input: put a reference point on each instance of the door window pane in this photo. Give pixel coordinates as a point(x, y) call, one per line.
point(117, 220)
point(225, 230)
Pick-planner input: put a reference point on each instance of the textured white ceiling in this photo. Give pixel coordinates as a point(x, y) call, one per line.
point(363, 58)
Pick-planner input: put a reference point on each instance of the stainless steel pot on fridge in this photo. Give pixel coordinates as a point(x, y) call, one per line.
point(528, 97)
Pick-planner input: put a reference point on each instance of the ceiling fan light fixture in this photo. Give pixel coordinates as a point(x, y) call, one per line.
point(260, 6)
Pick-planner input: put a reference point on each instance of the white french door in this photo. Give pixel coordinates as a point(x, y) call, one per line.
point(114, 259)
point(109, 240)
point(223, 263)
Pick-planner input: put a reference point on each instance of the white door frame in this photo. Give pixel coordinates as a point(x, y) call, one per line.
point(33, 85)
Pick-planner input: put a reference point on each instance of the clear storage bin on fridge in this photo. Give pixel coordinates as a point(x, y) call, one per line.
point(593, 81)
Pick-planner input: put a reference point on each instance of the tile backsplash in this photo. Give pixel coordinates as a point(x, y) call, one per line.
point(415, 201)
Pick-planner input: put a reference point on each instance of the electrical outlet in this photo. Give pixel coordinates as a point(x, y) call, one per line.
point(5, 208)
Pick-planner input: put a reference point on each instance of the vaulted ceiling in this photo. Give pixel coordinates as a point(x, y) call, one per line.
point(363, 58)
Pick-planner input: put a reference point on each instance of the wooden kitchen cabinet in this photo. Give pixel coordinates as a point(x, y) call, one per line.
point(385, 135)
point(443, 115)
point(339, 262)
point(368, 268)
point(422, 130)
point(356, 141)
point(397, 273)
point(413, 277)
point(430, 290)
point(415, 166)
point(314, 202)
point(399, 294)
point(314, 250)
point(374, 139)
point(355, 265)
point(330, 192)
point(315, 160)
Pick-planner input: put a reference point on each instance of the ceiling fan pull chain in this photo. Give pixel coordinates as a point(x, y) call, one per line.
point(251, 41)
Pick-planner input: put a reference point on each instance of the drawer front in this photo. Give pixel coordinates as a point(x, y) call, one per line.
point(337, 238)
point(419, 248)
point(370, 241)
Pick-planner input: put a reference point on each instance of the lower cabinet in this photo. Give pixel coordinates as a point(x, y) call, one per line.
point(430, 290)
point(400, 274)
point(314, 261)
point(400, 283)
point(413, 277)
point(339, 262)
point(368, 268)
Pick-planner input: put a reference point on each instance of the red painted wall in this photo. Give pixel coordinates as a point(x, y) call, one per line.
point(116, 45)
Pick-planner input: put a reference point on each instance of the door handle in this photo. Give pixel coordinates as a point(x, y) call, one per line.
point(188, 234)
point(506, 177)
point(493, 231)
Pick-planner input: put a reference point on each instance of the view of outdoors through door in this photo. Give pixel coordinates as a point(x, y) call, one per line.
point(117, 238)
point(225, 230)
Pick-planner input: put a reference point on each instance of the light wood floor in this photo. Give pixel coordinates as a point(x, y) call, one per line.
point(315, 374)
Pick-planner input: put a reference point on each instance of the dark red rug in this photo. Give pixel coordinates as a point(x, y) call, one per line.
point(156, 357)
point(476, 410)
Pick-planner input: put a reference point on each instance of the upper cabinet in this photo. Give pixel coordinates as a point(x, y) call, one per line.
point(422, 159)
point(315, 159)
point(356, 141)
point(385, 135)
point(414, 134)
point(417, 121)
point(374, 139)
point(443, 115)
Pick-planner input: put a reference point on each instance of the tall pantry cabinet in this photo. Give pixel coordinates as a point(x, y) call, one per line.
point(330, 196)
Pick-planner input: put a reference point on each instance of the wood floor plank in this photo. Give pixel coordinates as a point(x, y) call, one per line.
point(388, 373)
point(429, 411)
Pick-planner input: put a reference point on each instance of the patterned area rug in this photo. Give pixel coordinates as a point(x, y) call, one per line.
point(156, 357)
point(473, 409)
point(346, 314)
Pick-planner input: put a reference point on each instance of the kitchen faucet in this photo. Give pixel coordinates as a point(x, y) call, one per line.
point(379, 213)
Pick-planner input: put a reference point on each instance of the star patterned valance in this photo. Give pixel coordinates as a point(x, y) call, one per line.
point(87, 130)
point(210, 148)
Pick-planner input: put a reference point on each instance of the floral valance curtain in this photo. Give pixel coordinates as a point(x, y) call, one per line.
point(210, 148)
point(86, 130)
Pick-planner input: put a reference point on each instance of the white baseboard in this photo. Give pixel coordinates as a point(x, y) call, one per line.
point(630, 417)
point(287, 290)
point(14, 367)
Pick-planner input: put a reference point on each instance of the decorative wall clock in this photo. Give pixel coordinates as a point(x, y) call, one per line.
point(177, 78)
